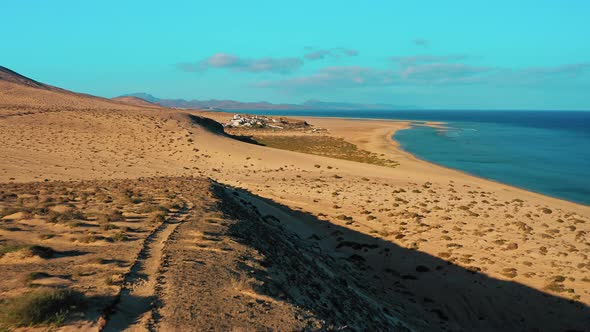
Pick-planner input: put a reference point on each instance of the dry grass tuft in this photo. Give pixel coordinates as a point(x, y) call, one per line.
point(43, 306)
point(324, 146)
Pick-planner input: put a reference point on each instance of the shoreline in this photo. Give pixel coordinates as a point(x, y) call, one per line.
point(399, 151)
point(507, 232)
point(398, 146)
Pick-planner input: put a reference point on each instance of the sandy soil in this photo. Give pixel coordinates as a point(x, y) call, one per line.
point(415, 246)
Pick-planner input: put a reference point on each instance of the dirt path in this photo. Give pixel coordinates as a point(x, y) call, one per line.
point(206, 272)
point(134, 311)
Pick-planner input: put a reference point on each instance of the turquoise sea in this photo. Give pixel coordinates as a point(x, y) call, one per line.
point(542, 151)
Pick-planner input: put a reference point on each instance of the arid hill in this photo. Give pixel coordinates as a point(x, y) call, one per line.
point(21, 94)
point(135, 101)
point(8, 75)
point(261, 105)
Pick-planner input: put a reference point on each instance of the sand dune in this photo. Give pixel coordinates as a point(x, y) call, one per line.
point(278, 239)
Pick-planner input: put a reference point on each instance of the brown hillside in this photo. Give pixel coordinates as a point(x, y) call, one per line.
point(22, 95)
point(135, 101)
point(8, 75)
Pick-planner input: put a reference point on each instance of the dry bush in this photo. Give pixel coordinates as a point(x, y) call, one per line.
point(28, 250)
point(43, 306)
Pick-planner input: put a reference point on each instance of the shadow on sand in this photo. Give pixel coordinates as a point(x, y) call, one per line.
point(354, 281)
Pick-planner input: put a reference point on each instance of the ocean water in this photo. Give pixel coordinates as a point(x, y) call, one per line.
point(543, 151)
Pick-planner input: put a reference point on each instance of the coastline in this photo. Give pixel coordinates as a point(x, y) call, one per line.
point(390, 146)
point(439, 125)
point(381, 141)
point(506, 232)
point(466, 173)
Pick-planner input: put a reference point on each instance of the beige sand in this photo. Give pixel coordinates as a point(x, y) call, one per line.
point(484, 238)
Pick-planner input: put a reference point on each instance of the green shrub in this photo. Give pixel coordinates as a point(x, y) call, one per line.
point(109, 280)
point(35, 276)
point(107, 226)
point(116, 215)
point(12, 210)
point(28, 250)
point(120, 236)
point(43, 252)
point(43, 306)
point(55, 217)
point(158, 217)
point(90, 238)
point(9, 248)
point(42, 211)
point(324, 146)
point(177, 204)
point(110, 216)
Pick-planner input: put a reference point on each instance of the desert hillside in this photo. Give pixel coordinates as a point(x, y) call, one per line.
point(135, 101)
point(148, 218)
point(10, 76)
point(22, 95)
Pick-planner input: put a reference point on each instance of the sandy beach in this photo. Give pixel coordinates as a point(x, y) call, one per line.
point(398, 241)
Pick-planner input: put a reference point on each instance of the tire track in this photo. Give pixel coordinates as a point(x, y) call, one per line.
point(133, 309)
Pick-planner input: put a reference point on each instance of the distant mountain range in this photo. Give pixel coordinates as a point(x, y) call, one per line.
point(262, 105)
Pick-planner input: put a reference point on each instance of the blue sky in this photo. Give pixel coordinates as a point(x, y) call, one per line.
point(453, 54)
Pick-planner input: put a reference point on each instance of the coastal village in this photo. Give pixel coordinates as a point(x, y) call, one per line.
point(245, 121)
